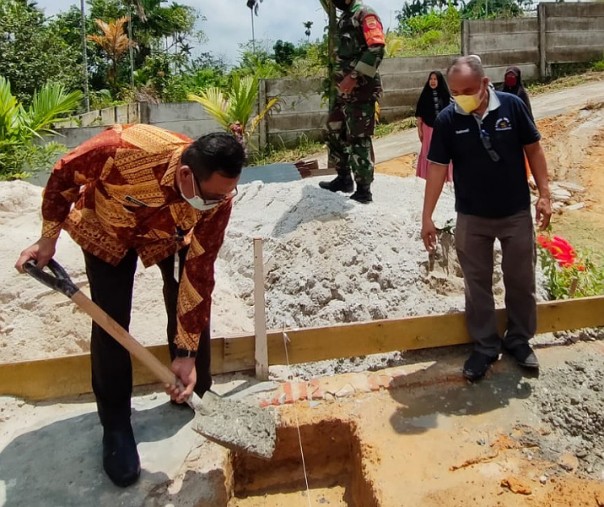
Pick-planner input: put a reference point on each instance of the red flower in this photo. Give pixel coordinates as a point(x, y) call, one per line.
point(560, 249)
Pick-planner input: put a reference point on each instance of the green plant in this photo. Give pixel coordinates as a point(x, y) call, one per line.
point(233, 108)
point(33, 52)
point(284, 153)
point(384, 129)
point(22, 128)
point(568, 273)
point(598, 66)
point(394, 44)
point(115, 44)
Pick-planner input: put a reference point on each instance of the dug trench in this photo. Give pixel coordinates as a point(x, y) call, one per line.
point(333, 465)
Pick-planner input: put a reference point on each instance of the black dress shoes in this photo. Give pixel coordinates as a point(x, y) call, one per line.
point(477, 365)
point(120, 457)
point(524, 355)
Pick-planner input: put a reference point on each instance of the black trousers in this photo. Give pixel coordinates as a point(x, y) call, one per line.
point(111, 289)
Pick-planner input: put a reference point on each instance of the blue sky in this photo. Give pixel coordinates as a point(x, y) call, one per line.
point(227, 22)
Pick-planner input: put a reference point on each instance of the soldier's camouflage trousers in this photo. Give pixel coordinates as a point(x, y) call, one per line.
point(350, 126)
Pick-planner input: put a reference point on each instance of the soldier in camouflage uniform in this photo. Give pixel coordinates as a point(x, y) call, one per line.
point(351, 121)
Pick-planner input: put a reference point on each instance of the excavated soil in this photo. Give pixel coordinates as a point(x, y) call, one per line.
point(494, 443)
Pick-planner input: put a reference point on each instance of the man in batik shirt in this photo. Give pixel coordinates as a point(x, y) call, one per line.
point(138, 191)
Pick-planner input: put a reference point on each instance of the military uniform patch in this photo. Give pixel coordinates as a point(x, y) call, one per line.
point(372, 28)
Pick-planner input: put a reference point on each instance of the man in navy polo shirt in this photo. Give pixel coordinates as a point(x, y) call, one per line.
point(485, 134)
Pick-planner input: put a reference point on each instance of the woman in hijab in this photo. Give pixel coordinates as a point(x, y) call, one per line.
point(434, 98)
point(512, 83)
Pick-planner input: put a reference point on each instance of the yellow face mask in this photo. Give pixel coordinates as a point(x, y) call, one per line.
point(468, 103)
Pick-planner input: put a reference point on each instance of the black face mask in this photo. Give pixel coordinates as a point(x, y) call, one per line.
point(341, 4)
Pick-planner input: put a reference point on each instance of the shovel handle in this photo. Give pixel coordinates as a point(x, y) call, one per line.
point(60, 281)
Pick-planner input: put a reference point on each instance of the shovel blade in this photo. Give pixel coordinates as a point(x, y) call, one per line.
point(236, 425)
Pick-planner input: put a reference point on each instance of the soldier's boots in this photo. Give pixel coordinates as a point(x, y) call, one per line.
point(363, 194)
point(339, 184)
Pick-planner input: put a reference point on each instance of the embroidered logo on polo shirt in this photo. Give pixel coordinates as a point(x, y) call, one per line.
point(464, 131)
point(503, 124)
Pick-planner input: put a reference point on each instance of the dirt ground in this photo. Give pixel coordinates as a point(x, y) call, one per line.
point(446, 444)
point(575, 148)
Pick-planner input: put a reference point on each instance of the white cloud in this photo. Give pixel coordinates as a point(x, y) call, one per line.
point(227, 22)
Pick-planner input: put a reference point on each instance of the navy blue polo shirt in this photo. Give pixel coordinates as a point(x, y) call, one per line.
point(484, 187)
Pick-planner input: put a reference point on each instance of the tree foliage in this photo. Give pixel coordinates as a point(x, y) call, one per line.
point(115, 44)
point(21, 125)
point(234, 107)
point(26, 41)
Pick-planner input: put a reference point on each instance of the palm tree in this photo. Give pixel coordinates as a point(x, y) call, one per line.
point(234, 108)
point(20, 126)
point(114, 42)
point(308, 26)
point(253, 7)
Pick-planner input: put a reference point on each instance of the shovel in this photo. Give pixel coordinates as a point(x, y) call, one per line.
point(232, 424)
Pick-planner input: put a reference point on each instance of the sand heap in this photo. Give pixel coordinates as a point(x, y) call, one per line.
point(328, 260)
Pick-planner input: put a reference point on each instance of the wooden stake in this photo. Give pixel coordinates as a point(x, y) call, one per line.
point(261, 346)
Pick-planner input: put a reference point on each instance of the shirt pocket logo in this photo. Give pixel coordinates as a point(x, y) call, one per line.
point(503, 124)
point(463, 131)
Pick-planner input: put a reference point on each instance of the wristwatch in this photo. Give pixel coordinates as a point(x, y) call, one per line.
point(354, 74)
point(184, 353)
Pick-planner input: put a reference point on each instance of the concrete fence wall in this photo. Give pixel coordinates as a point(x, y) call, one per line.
point(560, 33)
point(187, 118)
point(501, 43)
point(571, 33)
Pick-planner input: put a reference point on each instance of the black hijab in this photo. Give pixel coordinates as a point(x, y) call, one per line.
point(518, 89)
point(431, 102)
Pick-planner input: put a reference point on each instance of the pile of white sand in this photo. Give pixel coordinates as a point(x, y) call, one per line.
point(328, 260)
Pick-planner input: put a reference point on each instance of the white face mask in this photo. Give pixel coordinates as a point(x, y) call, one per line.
point(202, 204)
point(199, 204)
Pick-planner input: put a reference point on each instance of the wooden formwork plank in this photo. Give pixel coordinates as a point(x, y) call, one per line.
point(68, 376)
point(570, 314)
point(316, 344)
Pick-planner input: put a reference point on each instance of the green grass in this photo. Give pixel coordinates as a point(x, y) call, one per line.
point(561, 83)
point(308, 147)
point(285, 154)
point(385, 129)
point(598, 66)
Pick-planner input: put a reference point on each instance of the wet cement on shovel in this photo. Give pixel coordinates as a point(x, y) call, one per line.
point(236, 425)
